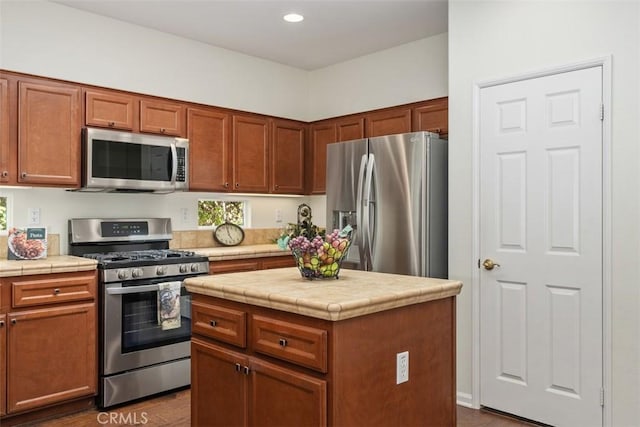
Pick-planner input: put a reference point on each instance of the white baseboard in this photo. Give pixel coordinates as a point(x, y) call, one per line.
point(464, 399)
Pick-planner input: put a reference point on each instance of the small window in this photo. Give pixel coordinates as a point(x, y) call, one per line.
point(212, 213)
point(5, 213)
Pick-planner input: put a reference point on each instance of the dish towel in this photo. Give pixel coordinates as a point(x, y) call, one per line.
point(169, 305)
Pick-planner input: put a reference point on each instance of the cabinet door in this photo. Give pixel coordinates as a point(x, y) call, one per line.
point(287, 157)
point(164, 118)
point(321, 135)
point(433, 116)
point(218, 386)
point(209, 150)
point(49, 134)
point(350, 128)
point(3, 363)
point(305, 403)
point(111, 110)
point(51, 356)
point(250, 154)
point(4, 130)
point(389, 122)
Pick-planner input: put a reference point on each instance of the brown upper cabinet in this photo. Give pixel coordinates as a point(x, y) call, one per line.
point(4, 131)
point(320, 135)
point(110, 109)
point(287, 156)
point(209, 149)
point(164, 118)
point(250, 147)
point(349, 128)
point(49, 118)
point(432, 116)
point(388, 122)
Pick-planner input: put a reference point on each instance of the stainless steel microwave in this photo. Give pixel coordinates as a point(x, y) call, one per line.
point(133, 162)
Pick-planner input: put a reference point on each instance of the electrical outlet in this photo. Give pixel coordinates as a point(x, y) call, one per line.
point(402, 367)
point(278, 215)
point(33, 216)
point(184, 215)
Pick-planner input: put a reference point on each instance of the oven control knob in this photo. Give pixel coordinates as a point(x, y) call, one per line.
point(161, 270)
point(184, 268)
point(136, 272)
point(195, 268)
point(123, 274)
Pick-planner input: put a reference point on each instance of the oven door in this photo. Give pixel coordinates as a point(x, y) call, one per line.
point(131, 334)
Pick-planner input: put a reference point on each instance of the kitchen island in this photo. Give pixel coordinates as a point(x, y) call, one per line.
point(368, 349)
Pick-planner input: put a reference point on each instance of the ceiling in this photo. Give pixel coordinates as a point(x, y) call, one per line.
point(332, 31)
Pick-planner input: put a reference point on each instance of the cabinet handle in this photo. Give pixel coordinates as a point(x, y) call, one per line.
point(277, 186)
point(282, 342)
point(238, 367)
point(14, 321)
point(1, 323)
point(5, 174)
point(237, 184)
point(162, 130)
point(213, 323)
point(112, 124)
point(56, 291)
point(226, 185)
point(245, 370)
point(23, 175)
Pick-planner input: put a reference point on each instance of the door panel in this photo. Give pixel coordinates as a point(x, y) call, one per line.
point(541, 221)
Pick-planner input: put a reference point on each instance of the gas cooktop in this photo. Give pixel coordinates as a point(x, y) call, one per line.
point(145, 257)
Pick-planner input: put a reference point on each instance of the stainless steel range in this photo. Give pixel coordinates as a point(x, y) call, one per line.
point(145, 311)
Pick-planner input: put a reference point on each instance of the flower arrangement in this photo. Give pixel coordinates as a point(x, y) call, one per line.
point(318, 254)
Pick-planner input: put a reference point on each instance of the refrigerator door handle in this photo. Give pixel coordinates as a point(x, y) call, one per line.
point(369, 204)
point(360, 229)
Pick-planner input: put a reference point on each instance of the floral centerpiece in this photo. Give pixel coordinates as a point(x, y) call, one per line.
point(318, 254)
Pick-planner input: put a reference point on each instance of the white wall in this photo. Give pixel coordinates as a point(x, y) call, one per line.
point(52, 40)
point(489, 40)
point(57, 206)
point(411, 72)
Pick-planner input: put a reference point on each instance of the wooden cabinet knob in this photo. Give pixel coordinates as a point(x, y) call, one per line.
point(226, 185)
point(112, 124)
point(23, 175)
point(5, 174)
point(56, 291)
point(162, 130)
point(14, 321)
point(237, 184)
point(277, 186)
point(1, 323)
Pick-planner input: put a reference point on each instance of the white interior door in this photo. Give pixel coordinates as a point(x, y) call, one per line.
point(541, 221)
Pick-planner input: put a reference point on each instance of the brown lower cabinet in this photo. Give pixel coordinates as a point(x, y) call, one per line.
point(250, 264)
point(48, 340)
point(256, 366)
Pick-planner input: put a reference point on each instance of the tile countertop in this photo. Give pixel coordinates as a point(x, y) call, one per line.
point(241, 252)
point(51, 264)
point(355, 293)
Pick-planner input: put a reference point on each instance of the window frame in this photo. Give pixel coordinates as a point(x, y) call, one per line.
point(9, 201)
point(245, 211)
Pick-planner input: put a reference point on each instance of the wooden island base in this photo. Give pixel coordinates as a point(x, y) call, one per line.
point(254, 365)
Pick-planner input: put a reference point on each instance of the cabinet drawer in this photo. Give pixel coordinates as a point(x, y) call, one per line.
point(50, 291)
point(220, 323)
point(294, 343)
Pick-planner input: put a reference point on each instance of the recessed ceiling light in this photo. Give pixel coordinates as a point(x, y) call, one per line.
point(293, 17)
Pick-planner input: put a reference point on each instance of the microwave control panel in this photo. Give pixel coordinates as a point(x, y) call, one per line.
point(181, 175)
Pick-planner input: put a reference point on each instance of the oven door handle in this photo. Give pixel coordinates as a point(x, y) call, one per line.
point(133, 289)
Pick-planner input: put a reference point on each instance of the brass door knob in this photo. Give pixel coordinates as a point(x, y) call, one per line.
point(488, 264)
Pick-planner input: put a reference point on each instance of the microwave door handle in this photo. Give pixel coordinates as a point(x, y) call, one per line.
point(174, 163)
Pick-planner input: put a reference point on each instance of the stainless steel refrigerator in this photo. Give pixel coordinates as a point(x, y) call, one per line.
point(393, 191)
